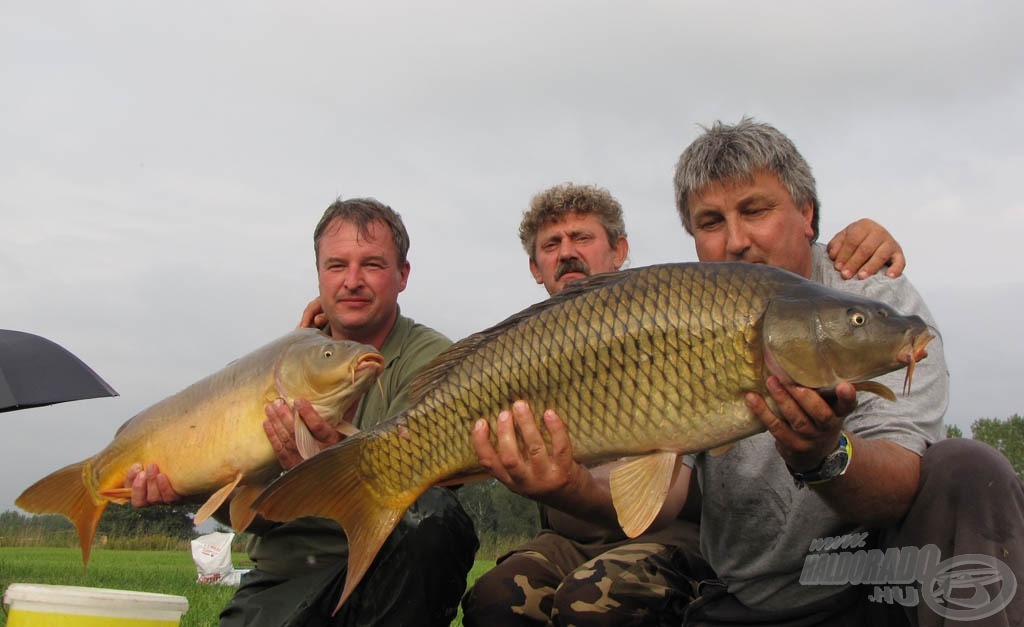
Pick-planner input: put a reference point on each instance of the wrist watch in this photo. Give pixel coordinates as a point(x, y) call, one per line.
point(834, 465)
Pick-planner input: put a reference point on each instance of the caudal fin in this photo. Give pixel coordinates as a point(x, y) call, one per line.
point(64, 492)
point(330, 485)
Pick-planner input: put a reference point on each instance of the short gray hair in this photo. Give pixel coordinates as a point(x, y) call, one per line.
point(737, 153)
point(361, 212)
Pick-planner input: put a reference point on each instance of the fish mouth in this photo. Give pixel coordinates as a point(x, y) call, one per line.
point(913, 351)
point(374, 362)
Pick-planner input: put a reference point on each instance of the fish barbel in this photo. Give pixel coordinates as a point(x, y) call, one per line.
point(650, 362)
point(209, 437)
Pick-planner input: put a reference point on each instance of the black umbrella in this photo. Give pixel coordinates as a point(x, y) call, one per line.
point(35, 371)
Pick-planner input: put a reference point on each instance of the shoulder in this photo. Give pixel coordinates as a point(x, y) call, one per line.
point(409, 347)
point(915, 420)
point(418, 342)
point(898, 293)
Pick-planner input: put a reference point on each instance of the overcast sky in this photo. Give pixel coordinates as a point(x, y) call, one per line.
point(162, 165)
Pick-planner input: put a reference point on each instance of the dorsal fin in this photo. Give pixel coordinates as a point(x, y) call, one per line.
point(436, 371)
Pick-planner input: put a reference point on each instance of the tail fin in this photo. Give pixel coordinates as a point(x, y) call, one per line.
point(331, 485)
point(64, 492)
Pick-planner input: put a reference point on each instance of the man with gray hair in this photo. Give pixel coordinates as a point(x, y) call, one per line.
point(863, 468)
point(581, 569)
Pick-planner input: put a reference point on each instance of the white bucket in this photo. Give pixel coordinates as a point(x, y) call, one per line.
point(39, 605)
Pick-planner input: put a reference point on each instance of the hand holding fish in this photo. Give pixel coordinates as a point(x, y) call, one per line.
point(549, 474)
point(806, 427)
point(280, 429)
point(149, 486)
point(520, 458)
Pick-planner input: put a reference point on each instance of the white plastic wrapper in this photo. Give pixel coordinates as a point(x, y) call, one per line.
point(212, 555)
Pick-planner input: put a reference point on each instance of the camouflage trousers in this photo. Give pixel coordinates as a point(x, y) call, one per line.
point(631, 584)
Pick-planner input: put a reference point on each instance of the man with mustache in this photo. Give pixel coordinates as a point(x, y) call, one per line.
point(580, 569)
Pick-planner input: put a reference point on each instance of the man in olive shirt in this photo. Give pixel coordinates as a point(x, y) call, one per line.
point(300, 566)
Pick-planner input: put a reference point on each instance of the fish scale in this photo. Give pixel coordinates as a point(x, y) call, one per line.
point(602, 354)
point(651, 360)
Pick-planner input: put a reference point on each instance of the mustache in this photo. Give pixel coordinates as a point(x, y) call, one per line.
point(572, 264)
point(359, 292)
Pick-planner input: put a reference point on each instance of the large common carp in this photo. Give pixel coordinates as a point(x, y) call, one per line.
point(209, 437)
point(650, 362)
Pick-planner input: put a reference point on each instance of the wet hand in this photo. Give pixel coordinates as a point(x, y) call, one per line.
point(521, 459)
point(149, 486)
point(806, 426)
point(863, 248)
point(280, 429)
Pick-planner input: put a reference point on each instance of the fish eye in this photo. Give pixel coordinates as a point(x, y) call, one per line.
point(857, 318)
point(328, 353)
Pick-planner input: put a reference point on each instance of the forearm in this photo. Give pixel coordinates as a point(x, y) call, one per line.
point(597, 509)
point(588, 498)
point(879, 485)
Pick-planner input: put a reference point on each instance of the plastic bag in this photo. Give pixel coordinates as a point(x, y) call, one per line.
point(212, 555)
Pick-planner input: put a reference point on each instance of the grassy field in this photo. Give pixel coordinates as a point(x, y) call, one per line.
point(166, 572)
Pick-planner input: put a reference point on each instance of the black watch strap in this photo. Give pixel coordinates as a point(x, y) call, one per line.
point(834, 465)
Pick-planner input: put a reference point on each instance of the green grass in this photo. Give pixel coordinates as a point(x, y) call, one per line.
point(165, 572)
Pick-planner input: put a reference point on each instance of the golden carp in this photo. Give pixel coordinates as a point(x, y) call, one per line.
point(209, 437)
point(649, 362)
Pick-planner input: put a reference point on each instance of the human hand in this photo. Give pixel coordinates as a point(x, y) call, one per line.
point(149, 486)
point(280, 429)
point(862, 249)
point(313, 316)
point(534, 469)
point(806, 427)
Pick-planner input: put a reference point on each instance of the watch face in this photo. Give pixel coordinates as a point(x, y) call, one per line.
point(834, 465)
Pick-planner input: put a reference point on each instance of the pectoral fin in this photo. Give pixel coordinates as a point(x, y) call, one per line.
point(875, 388)
point(722, 450)
point(639, 488)
point(213, 503)
point(347, 429)
point(308, 445)
point(241, 511)
point(304, 440)
point(117, 495)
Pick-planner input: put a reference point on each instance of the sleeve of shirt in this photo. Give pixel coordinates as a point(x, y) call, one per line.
point(915, 419)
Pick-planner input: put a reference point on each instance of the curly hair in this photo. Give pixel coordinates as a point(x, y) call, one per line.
point(737, 153)
point(556, 203)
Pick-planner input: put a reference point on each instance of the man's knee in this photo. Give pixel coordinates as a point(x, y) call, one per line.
point(965, 469)
point(585, 595)
point(518, 590)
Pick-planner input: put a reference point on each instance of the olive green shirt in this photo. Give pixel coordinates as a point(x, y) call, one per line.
point(296, 547)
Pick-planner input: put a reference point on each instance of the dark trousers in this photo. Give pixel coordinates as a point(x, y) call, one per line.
point(416, 579)
point(969, 502)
